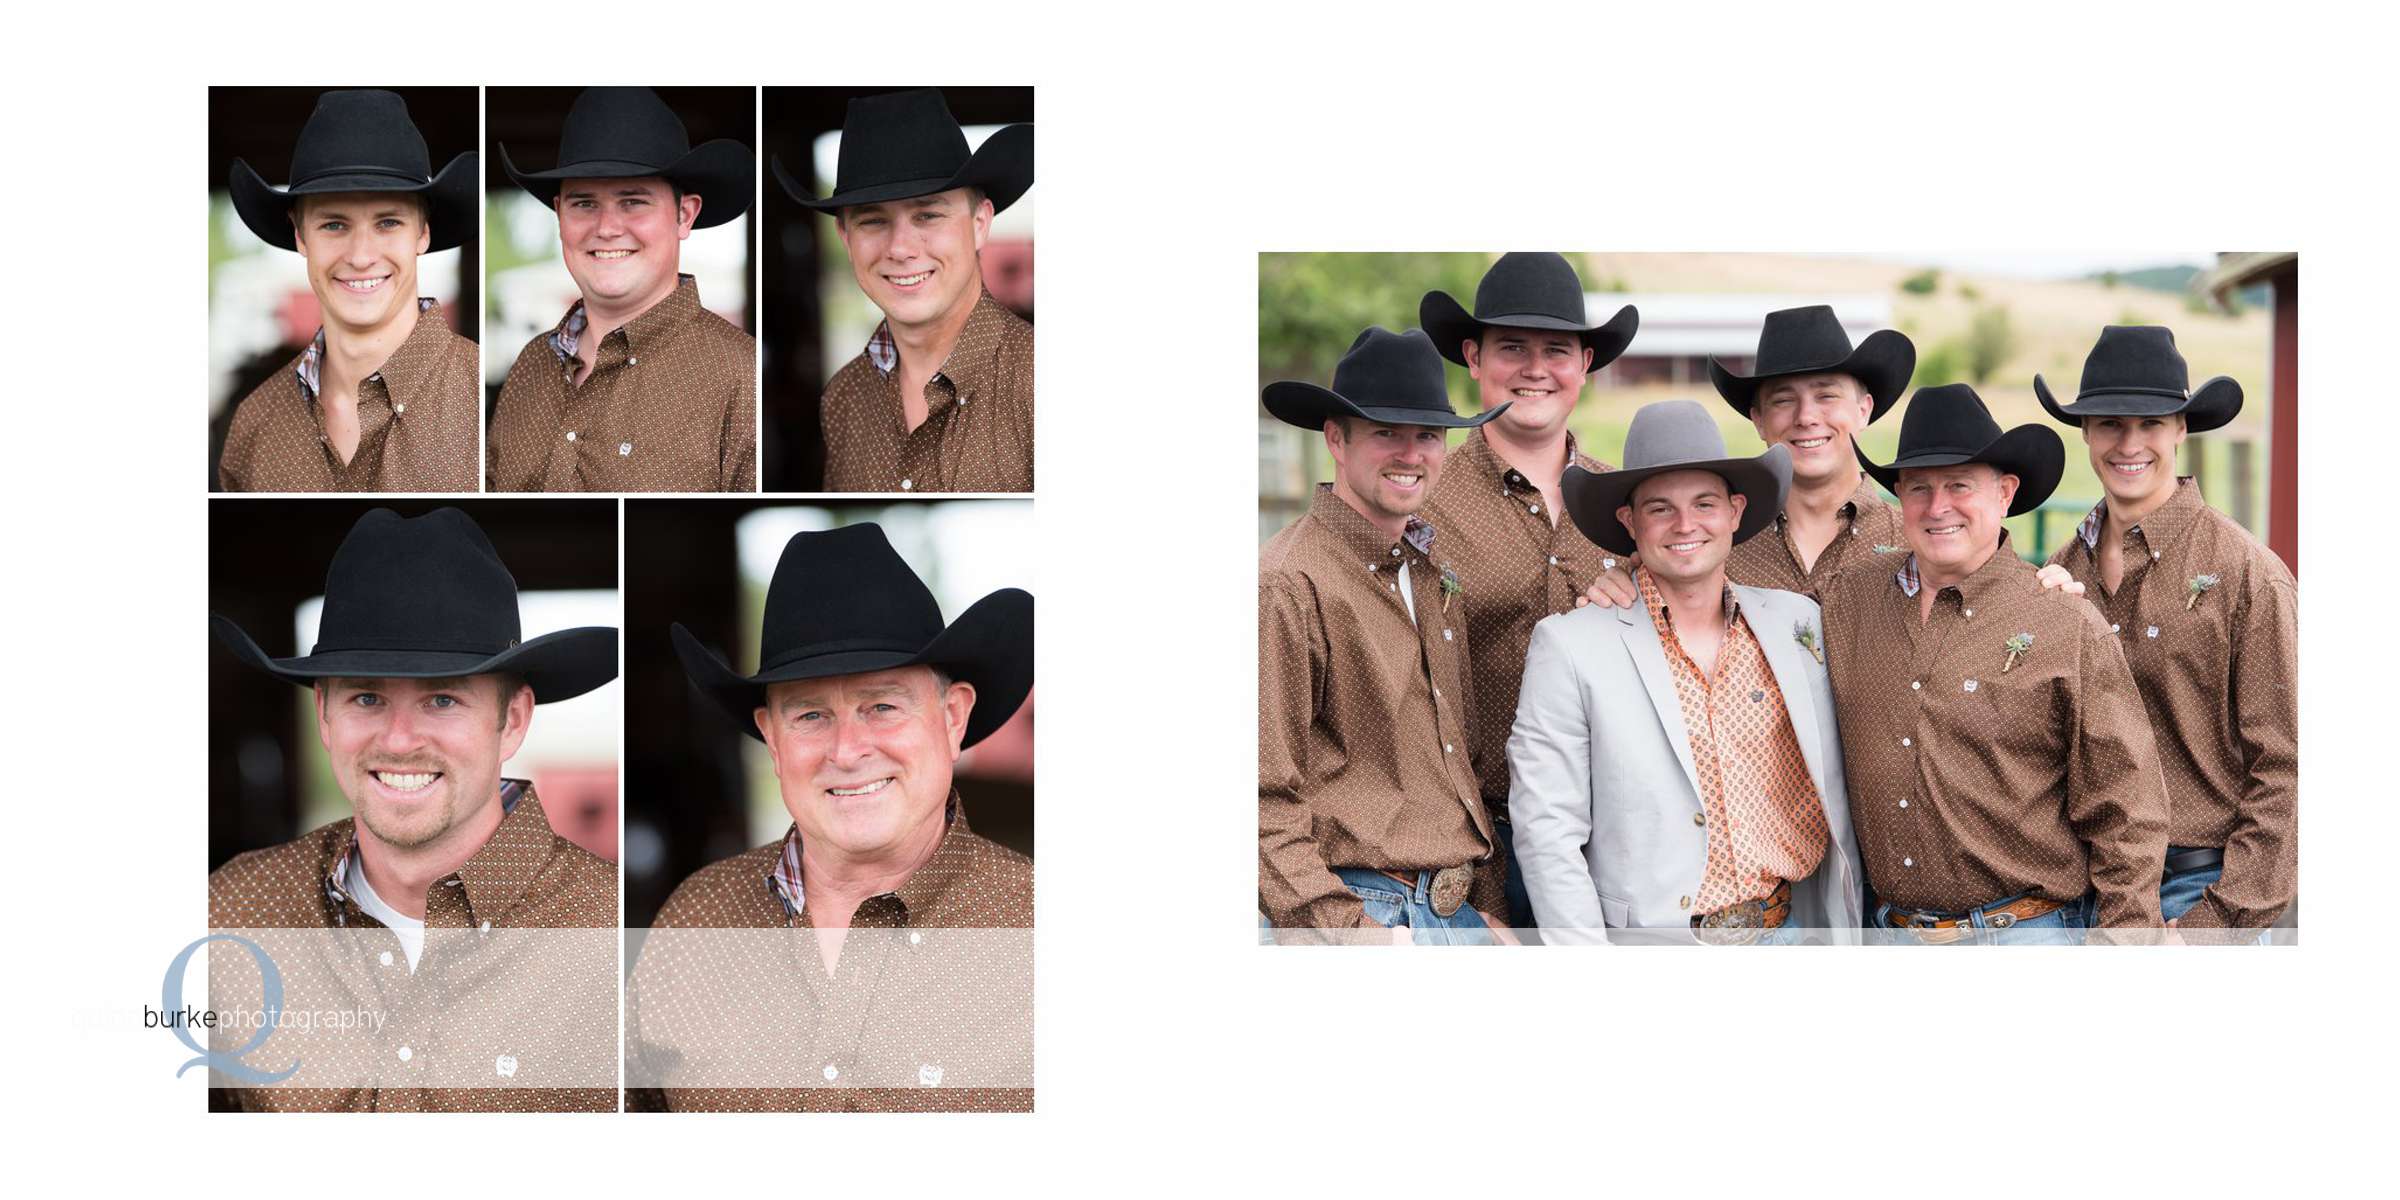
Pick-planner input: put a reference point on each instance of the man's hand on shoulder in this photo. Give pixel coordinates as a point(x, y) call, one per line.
point(2056, 578)
point(1613, 587)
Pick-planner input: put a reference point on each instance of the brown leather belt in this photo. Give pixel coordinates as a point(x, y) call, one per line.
point(1938, 931)
point(1449, 889)
point(1744, 923)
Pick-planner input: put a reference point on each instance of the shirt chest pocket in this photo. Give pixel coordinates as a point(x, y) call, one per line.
point(661, 440)
point(2015, 710)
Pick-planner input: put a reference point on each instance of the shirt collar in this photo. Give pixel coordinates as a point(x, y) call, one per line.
point(1476, 455)
point(653, 324)
point(1655, 601)
point(916, 894)
point(1861, 498)
point(499, 871)
point(963, 373)
point(2162, 528)
point(1974, 589)
point(311, 367)
point(1361, 536)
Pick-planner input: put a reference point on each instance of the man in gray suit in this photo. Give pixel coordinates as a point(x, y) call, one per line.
point(1675, 771)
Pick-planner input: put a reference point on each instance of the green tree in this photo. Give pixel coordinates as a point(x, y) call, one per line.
point(1922, 283)
point(1991, 342)
point(1312, 306)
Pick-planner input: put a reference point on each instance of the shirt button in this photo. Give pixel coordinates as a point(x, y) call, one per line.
point(830, 1072)
point(397, 409)
point(1970, 612)
point(1437, 693)
point(485, 928)
point(1445, 747)
point(915, 938)
point(1904, 804)
point(1906, 742)
point(406, 1054)
point(2154, 556)
point(1554, 560)
point(1699, 818)
point(385, 958)
point(908, 485)
point(1908, 862)
point(1395, 552)
point(1446, 635)
point(1916, 685)
point(1535, 509)
point(570, 435)
point(2112, 627)
point(632, 361)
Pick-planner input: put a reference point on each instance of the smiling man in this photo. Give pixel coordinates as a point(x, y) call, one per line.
point(1370, 823)
point(2003, 779)
point(638, 388)
point(384, 398)
point(2209, 620)
point(865, 700)
point(1676, 771)
point(423, 688)
point(941, 399)
point(1529, 350)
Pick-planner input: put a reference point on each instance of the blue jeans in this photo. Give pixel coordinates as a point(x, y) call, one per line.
point(2061, 926)
point(1520, 904)
point(2178, 893)
point(1392, 903)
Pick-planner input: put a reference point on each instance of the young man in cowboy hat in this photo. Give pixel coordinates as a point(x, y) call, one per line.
point(1676, 771)
point(1529, 349)
point(865, 700)
point(385, 398)
point(1369, 817)
point(2002, 775)
point(639, 388)
point(2209, 623)
point(423, 689)
point(941, 399)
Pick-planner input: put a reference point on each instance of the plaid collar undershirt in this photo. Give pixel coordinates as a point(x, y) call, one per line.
point(783, 882)
point(312, 360)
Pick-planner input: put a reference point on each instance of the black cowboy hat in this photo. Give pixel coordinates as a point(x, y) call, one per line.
point(898, 145)
point(629, 133)
point(2135, 371)
point(1810, 341)
point(428, 598)
point(1525, 291)
point(1388, 378)
point(843, 602)
point(361, 141)
point(1674, 435)
point(1949, 425)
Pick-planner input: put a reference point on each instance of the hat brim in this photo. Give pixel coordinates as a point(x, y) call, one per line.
point(1001, 168)
point(1308, 406)
point(453, 201)
point(1593, 497)
point(989, 646)
point(2032, 453)
point(1451, 326)
point(1883, 362)
point(2210, 406)
point(723, 173)
point(558, 666)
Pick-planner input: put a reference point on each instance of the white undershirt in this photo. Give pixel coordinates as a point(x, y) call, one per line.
point(1408, 595)
point(410, 930)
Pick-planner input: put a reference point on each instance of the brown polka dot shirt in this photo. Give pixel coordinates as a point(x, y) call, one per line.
point(1362, 719)
point(1768, 559)
point(1765, 821)
point(416, 422)
point(1980, 771)
point(524, 877)
point(1514, 568)
point(977, 435)
point(903, 1025)
point(671, 405)
point(2209, 620)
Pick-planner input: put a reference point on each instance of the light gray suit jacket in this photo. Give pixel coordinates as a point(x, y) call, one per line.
point(1601, 787)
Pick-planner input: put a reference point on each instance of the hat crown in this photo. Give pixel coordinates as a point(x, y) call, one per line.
point(360, 128)
point(621, 124)
point(895, 137)
point(2129, 357)
point(1949, 418)
point(1523, 282)
point(844, 589)
point(1383, 369)
point(1800, 339)
point(1670, 432)
point(418, 583)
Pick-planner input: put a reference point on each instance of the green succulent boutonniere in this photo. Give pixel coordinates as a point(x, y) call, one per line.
point(1806, 634)
point(2020, 644)
point(1880, 548)
point(2199, 586)
point(1450, 585)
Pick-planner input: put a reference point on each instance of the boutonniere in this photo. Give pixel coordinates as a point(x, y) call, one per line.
point(2199, 586)
point(1450, 585)
point(1806, 634)
point(2020, 644)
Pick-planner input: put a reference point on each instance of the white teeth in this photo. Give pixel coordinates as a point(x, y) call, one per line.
point(405, 783)
point(362, 285)
point(1946, 529)
point(865, 790)
point(911, 280)
point(1810, 443)
point(2130, 468)
point(610, 253)
point(1404, 480)
point(1529, 391)
point(1680, 547)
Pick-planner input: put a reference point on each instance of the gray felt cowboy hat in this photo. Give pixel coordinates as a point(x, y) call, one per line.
point(1675, 435)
